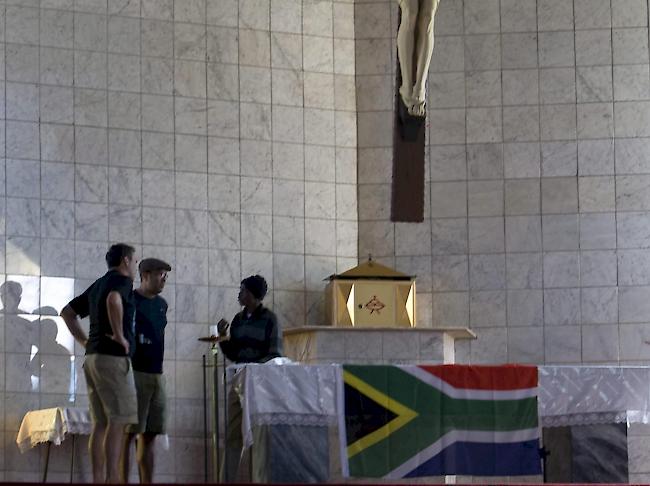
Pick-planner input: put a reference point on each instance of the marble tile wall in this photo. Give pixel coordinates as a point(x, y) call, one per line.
point(219, 135)
point(536, 207)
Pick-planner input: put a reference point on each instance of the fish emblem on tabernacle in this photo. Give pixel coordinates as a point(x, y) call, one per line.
point(374, 304)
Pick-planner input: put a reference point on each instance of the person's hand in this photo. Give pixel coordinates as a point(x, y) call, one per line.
point(222, 327)
point(120, 340)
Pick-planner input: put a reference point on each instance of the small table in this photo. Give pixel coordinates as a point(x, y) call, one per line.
point(51, 425)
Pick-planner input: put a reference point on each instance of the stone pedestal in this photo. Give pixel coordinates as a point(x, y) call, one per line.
point(324, 344)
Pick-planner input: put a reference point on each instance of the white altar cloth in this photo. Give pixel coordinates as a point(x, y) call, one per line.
point(297, 394)
point(51, 425)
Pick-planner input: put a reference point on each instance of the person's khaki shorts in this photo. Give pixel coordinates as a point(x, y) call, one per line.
point(152, 403)
point(111, 389)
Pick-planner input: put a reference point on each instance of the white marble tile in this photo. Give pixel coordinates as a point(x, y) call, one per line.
point(256, 232)
point(124, 110)
point(57, 219)
point(483, 52)
point(446, 90)
point(525, 308)
point(189, 78)
point(320, 237)
point(450, 309)
point(599, 268)
point(57, 257)
point(629, 13)
point(591, 14)
point(599, 305)
point(521, 160)
point(485, 198)
point(192, 228)
point(157, 150)
point(224, 230)
point(22, 217)
point(125, 148)
point(288, 161)
point(631, 83)
point(124, 35)
point(595, 120)
point(597, 194)
point(320, 200)
point(287, 87)
point(288, 272)
point(124, 186)
point(560, 232)
point(630, 45)
point(125, 223)
point(490, 347)
point(256, 195)
point(91, 221)
point(191, 153)
point(562, 345)
point(57, 142)
point(450, 272)
point(519, 51)
point(191, 190)
point(57, 181)
point(524, 270)
point(594, 83)
point(559, 195)
point(593, 47)
point(412, 239)
point(632, 267)
point(595, 157)
point(556, 49)
point(23, 178)
point(557, 122)
point(487, 272)
point(89, 262)
point(191, 266)
point(481, 17)
point(317, 268)
point(288, 124)
point(523, 233)
point(286, 51)
point(633, 230)
point(158, 226)
point(487, 308)
point(526, 345)
point(484, 125)
point(288, 198)
point(447, 126)
point(597, 231)
point(557, 85)
point(486, 235)
point(522, 197)
point(157, 75)
point(520, 86)
point(22, 255)
point(633, 338)
point(157, 38)
point(561, 307)
point(189, 41)
point(521, 124)
point(561, 269)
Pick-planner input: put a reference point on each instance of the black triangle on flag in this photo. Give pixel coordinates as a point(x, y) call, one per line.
point(363, 415)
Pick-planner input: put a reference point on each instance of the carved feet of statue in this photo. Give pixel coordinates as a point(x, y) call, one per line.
point(415, 105)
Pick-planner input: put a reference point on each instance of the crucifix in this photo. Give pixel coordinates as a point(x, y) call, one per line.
point(414, 50)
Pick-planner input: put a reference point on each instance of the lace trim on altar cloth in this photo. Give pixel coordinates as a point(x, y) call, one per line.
point(301, 419)
point(629, 417)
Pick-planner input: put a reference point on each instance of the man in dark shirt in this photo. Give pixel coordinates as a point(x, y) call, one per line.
point(150, 323)
point(107, 367)
point(253, 337)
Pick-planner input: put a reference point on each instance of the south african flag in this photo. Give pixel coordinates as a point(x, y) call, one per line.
point(412, 421)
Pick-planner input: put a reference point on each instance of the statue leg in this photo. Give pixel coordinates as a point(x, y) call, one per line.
point(424, 49)
point(406, 47)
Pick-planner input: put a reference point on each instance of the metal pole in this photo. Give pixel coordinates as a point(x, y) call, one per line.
point(72, 458)
point(205, 423)
point(215, 394)
point(47, 461)
point(225, 415)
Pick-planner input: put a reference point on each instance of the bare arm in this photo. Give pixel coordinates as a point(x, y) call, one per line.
point(72, 321)
point(115, 311)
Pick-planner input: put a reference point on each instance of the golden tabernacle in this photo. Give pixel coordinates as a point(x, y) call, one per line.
point(370, 295)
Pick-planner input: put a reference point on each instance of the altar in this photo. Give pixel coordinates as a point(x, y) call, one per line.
point(292, 416)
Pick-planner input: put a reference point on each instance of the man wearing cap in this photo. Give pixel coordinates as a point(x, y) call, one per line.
point(150, 322)
point(253, 337)
point(107, 367)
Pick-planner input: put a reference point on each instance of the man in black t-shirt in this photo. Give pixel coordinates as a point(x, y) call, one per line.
point(150, 322)
point(107, 367)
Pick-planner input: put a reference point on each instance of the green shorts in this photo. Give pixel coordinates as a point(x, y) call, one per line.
point(152, 403)
point(111, 389)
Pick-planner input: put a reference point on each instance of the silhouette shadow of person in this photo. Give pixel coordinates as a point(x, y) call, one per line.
point(22, 338)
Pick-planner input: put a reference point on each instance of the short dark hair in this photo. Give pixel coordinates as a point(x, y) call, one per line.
point(256, 285)
point(117, 252)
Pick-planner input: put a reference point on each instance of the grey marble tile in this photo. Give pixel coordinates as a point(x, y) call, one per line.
point(559, 195)
point(523, 233)
point(595, 120)
point(491, 347)
point(628, 13)
point(91, 221)
point(286, 16)
point(255, 14)
point(632, 156)
point(558, 122)
point(450, 272)
point(224, 230)
point(485, 198)
point(483, 52)
point(124, 35)
point(318, 54)
point(631, 193)
point(21, 63)
point(449, 54)
point(521, 160)
point(594, 83)
point(559, 159)
point(556, 49)
point(57, 66)
point(484, 125)
point(157, 38)
point(519, 51)
point(557, 85)
point(256, 195)
point(191, 190)
point(448, 199)
point(191, 153)
point(190, 116)
point(481, 17)
point(191, 228)
point(593, 47)
point(412, 239)
point(631, 82)
point(447, 126)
